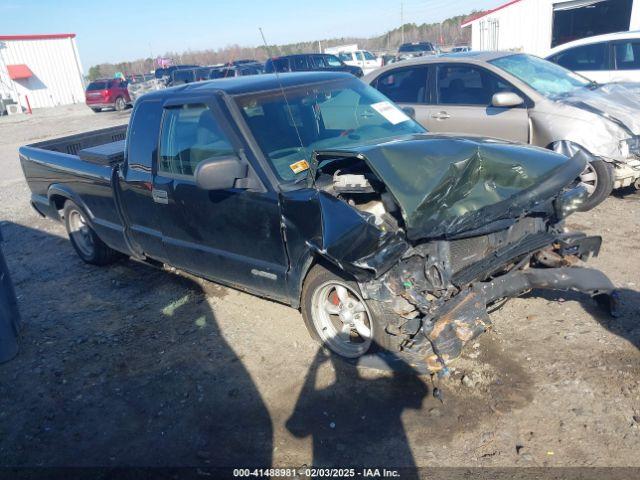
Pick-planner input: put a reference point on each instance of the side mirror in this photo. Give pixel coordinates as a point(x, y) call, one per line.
point(410, 111)
point(220, 173)
point(506, 100)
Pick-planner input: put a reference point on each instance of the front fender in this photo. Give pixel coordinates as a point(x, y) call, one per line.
point(569, 149)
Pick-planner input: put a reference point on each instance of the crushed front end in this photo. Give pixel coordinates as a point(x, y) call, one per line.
point(441, 229)
point(439, 292)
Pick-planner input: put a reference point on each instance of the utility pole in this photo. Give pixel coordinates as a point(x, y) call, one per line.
point(402, 21)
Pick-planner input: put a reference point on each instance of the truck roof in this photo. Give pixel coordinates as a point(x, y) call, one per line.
point(251, 83)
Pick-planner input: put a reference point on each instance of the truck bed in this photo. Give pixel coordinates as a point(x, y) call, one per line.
point(73, 144)
point(77, 167)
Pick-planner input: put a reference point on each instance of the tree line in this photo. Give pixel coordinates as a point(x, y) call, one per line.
point(448, 32)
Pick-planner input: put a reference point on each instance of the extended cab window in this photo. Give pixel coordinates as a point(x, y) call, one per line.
point(190, 135)
point(405, 85)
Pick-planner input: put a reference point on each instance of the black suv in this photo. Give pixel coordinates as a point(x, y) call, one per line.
point(306, 62)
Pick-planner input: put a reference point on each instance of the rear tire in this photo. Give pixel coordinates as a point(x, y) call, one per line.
point(336, 315)
point(598, 178)
point(120, 104)
point(96, 110)
point(84, 239)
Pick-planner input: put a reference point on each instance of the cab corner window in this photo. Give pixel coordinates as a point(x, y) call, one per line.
point(407, 85)
point(190, 135)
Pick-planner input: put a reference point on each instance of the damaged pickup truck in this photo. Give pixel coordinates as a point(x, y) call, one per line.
point(314, 190)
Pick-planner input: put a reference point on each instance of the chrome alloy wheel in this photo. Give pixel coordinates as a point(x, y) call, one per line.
point(81, 233)
point(589, 179)
point(342, 319)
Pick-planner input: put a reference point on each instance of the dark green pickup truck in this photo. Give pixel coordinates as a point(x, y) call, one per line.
point(313, 189)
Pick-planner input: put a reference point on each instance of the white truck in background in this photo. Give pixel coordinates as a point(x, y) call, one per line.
point(352, 55)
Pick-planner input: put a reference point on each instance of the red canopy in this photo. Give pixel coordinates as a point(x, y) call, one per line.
point(19, 72)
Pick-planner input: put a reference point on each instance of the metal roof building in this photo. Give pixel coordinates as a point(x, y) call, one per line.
point(536, 26)
point(41, 70)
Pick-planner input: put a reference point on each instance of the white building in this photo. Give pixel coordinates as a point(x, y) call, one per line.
point(536, 26)
point(41, 70)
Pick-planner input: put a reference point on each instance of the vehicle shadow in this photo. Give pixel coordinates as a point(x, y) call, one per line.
point(628, 193)
point(121, 366)
point(627, 322)
point(354, 418)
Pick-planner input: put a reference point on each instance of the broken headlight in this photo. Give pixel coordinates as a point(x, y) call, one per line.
point(570, 201)
point(630, 146)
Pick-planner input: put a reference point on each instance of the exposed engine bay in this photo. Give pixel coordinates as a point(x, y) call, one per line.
point(439, 289)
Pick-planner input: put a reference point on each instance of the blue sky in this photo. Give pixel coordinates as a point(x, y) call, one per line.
point(119, 30)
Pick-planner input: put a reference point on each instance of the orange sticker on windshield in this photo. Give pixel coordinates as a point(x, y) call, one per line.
point(300, 166)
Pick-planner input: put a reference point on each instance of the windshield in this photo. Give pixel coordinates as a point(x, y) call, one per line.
point(547, 78)
point(418, 47)
point(330, 115)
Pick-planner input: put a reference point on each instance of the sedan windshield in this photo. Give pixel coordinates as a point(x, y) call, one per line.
point(547, 78)
point(330, 115)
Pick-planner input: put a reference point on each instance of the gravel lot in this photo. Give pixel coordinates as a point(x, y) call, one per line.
point(128, 365)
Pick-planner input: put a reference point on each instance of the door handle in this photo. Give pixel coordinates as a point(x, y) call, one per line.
point(441, 116)
point(160, 196)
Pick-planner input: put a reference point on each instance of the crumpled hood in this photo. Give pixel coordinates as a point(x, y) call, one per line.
point(616, 102)
point(447, 185)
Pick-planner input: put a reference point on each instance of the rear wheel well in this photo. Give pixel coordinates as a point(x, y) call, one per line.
point(58, 201)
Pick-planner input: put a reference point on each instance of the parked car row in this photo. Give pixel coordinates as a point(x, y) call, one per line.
point(307, 62)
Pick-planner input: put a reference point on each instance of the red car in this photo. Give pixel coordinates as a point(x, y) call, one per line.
point(108, 93)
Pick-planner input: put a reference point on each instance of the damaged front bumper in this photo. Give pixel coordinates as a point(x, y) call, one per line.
point(466, 317)
point(626, 173)
point(435, 328)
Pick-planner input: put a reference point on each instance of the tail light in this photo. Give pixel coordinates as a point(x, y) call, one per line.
point(105, 93)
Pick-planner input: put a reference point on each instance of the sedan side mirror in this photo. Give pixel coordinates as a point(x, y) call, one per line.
point(410, 112)
point(506, 100)
point(220, 173)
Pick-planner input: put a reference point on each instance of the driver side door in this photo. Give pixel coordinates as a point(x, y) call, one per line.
point(232, 236)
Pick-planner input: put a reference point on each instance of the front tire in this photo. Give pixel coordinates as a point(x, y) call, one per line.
point(84, 239)
point(336, 315)
point(597, 177)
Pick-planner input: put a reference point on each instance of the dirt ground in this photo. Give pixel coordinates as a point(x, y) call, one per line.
point(129, 365)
